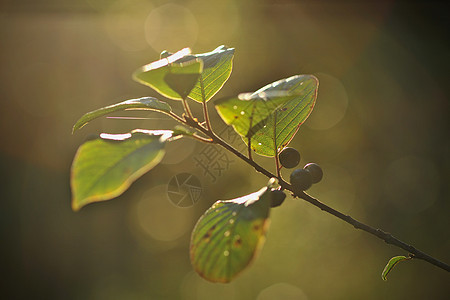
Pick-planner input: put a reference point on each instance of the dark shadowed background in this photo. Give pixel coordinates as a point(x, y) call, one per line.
point(379, 130)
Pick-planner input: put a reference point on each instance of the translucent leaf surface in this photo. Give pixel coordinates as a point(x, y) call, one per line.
point(171, 76)
point(145, 103)
point(181, 130)
point(217, 66)
point(229, 235)
point(272, 115)
point(249, 112)
point(105, 167)
point(391, 264)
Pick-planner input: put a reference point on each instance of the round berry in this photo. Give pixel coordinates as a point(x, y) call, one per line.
point(301, 180)
point(277, 198)
point(315, 170)
point(289, 157)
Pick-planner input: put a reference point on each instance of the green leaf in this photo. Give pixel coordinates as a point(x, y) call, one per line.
point(217, 66)
point(229, 235)
point(248, 112)
point(105, 167)
point(171, 77)
point(181, 130)
point(180, 81)
point(391, 264)
point(144, 103)
point(271, 115)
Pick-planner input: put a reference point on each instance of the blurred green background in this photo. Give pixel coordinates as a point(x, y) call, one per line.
point(379, 130)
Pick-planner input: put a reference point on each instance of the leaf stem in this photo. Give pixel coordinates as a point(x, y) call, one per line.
point(249, 148)
point(277, 165)
point(205, 113)
point(205, 107)
point(277, 161)
point(186, 108)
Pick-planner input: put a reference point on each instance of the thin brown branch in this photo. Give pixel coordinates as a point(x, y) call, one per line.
point(217, 140)
point(387, 237)
point(177, 117)
point(201, 139)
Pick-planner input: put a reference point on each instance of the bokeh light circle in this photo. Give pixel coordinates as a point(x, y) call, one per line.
point(153, 216)
point(331, 104)
point(173, 154)
point(412, 183)
point(283, 291)
point(123, 22)
point(171, 27)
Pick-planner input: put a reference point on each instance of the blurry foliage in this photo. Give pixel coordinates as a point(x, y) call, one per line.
point(387, 62)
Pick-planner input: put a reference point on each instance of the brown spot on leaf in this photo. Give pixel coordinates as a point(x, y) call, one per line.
point(207, 236)
point(209, 233)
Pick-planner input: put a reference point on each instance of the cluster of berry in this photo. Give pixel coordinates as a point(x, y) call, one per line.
point(301, 179)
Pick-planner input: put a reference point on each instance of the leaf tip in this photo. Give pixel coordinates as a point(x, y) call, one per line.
point(75, 206)
point(75, 128)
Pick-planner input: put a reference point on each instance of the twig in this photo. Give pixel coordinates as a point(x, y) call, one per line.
point(387, 237)
point(217, 140)
point(201, 139)
point(176, 117)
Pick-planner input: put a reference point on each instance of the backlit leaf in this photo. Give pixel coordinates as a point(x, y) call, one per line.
point(391, 264)
point(171, 77)
point(103, 168)
point(229, 235)
point(249, 112)
point(217, 66)
point(271, 115)
point(145, 103)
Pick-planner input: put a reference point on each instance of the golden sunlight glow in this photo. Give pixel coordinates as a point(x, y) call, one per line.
point(171, 27)
point(156, 218)
point(331, 104)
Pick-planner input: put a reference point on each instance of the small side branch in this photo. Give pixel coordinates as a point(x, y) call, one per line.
point(177, 117)
point(201, 139)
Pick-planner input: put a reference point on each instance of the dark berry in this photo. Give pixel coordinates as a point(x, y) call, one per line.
point(315, 170)
point(289, 157)
point(301, 180)
point(277, 198)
